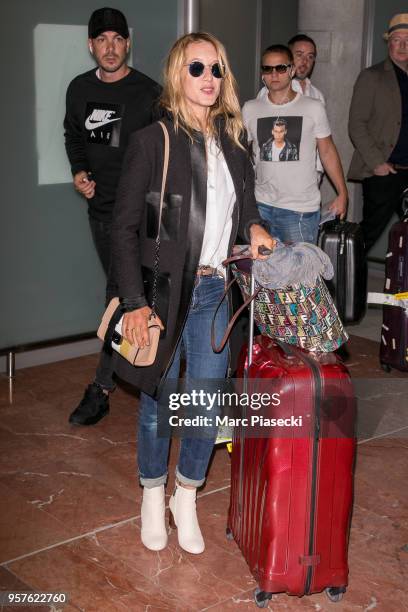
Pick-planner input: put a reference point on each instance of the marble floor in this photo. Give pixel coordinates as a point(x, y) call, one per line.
point(70, 511)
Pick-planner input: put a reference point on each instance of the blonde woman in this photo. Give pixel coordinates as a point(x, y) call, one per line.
point(209, 198)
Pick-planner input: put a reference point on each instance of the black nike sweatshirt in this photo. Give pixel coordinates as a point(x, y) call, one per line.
point(99, 120)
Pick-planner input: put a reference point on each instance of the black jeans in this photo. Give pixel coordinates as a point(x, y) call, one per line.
point(382, 198)
point(101, 234)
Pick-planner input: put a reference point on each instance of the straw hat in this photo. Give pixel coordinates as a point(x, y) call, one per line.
point(398, 22)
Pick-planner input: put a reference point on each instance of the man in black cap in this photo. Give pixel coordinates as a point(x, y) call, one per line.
point(103, 107)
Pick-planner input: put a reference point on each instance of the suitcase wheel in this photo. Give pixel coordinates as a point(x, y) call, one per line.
point(335, 593)
point(386, 367)
point(228, 533)
point(262, 598)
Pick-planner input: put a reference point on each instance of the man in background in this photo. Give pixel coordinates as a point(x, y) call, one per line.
point(103, 107)
point(378, 127)
point(304, 53)
point(287, 190)
point(304, 57)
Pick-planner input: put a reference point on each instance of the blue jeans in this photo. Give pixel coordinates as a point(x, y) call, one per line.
point(201, 363)
point(289, 225)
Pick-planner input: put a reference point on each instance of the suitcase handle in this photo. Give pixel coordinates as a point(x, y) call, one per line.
point(244, 254)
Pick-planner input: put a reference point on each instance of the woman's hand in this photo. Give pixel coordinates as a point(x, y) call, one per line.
point(135, 326)
point(260, 237)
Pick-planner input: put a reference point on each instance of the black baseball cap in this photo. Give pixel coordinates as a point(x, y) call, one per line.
point(106, 20)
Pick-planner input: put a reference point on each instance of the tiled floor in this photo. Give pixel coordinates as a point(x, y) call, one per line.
point(70, 504)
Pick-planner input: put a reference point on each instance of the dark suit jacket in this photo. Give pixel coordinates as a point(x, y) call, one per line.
point(135, 222)
point(375, 118)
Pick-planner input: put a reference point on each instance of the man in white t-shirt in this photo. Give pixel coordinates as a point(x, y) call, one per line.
point(304, 52)
point(287, 190)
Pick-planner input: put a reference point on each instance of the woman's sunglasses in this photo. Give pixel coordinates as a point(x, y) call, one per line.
point(196, 69)
point(280, 68)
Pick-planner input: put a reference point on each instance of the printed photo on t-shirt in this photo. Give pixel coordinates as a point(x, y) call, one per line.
point(279, 138)
point(103, 122)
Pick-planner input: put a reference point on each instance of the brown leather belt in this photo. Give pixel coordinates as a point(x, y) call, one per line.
point(207, 271)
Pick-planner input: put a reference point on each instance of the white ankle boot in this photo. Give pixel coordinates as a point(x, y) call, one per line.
point(183, 511)
point(154, 533)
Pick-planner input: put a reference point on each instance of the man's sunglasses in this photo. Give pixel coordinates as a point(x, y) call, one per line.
point(280, 68)
point(196, 69)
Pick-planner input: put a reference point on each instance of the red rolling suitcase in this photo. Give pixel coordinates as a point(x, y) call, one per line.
point(291, 496)
point(394, 332)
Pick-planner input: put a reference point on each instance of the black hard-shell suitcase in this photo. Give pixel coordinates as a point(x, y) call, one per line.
point(344, 244)
point(394, 331)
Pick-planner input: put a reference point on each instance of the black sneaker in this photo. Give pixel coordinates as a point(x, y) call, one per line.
point(92, 408)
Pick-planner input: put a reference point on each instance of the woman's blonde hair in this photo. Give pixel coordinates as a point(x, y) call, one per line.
point(226, 105)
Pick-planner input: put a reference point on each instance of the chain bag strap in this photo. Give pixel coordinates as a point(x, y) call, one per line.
point(163, 186)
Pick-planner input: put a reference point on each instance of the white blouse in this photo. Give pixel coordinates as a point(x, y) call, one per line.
point(220, 205)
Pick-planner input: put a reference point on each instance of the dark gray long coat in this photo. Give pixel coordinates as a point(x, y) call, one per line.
point(183, 221)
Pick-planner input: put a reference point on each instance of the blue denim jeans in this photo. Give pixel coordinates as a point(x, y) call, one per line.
point(289, 225)
point(201, 363)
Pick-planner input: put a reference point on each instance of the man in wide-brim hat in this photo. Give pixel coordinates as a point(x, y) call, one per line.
point(378, 128)
point(398, 22)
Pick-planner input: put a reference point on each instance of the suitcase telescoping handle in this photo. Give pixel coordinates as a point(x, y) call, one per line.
point(251, 323)
point(250, 301)
point(263, 250)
